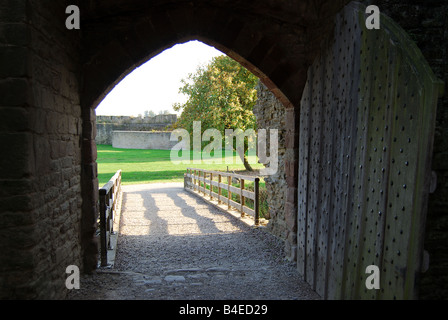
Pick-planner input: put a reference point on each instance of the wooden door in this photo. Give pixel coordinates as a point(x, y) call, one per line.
point(366, 132)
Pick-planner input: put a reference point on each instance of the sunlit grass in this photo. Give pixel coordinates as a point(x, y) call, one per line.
point(149, 166)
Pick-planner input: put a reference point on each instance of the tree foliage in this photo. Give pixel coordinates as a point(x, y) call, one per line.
point(221, 95)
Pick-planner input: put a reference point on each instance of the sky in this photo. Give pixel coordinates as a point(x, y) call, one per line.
point(155, 84)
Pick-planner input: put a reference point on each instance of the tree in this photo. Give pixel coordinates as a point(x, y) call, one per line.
point(149, 113)
point(221, 95)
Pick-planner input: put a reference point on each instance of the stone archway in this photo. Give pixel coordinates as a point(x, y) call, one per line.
point(275, 42)
point(51, 78)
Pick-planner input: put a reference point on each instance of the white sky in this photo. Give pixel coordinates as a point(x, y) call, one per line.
point(155, 84)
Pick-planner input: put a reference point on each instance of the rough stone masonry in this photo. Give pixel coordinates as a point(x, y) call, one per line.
point(270, 114)
point(105, 125)
point(40, 166)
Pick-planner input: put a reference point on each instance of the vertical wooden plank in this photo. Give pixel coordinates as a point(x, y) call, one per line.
point(355, 216)
point(425, 139)
point(386, 87)
point(211, 185)
point(343, 149)
point(330, 140)
point(372, 165)
point(242, 198)
point(403, 184)
point(429, 98)
point(396, 200)
point(315, 171)
point(194, 182)
point(103, 236)
point(190, 179)
point(324, 182)
point(303, 169)
point(257, 201)
point(204, 184)
point(219, 188)
point(376, 162)
point(229, 194)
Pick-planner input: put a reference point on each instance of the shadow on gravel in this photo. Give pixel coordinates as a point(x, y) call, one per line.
point(172, 245)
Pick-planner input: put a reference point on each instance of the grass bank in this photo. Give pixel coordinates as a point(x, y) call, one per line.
point(149, 166)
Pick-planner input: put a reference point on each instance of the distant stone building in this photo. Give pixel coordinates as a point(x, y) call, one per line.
point(107, 124)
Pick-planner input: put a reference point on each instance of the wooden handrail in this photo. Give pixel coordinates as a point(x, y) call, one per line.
point(108, 196)
point(226, 174)
point(196, 179)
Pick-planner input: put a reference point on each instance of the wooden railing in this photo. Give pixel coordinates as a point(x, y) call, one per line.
point(199, 179)
point(108, 201)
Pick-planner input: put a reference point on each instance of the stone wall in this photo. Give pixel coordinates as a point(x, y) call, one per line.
point(40, 126)
point(105, 125)
point(270, 114)
point(160, 119)
point(142, 140)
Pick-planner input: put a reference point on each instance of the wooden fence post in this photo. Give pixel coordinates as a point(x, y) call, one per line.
point(241, 196)
point(194, 178)
point(219, 189)
point(229, 194)
point(211, 185)
point(257, 202)
point(110, 218)
point(103, 238)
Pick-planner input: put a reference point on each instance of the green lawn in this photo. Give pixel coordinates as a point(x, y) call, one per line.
point(147, 166)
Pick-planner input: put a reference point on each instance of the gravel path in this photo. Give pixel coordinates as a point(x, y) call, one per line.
point(173, 245)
